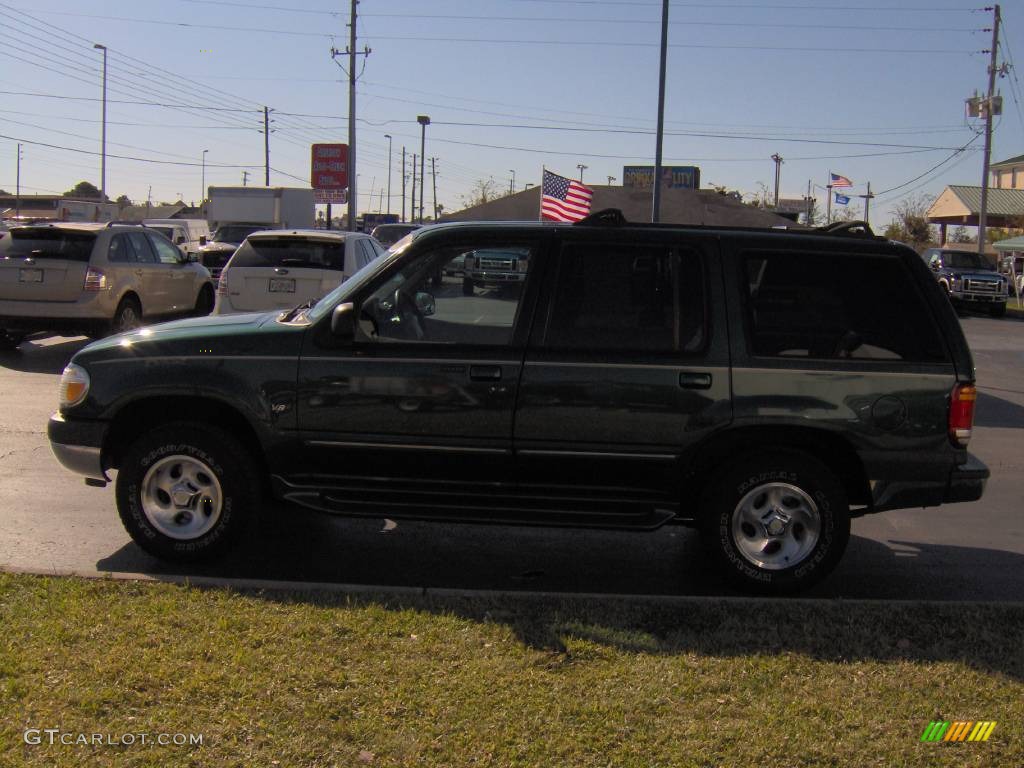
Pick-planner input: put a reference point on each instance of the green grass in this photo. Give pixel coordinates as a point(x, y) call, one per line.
point(327, 680)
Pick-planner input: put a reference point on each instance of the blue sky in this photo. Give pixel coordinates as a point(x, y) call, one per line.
point(873, 92)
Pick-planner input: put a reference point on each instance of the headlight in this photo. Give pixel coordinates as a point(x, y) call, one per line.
point(956, 279)
point(74, 385)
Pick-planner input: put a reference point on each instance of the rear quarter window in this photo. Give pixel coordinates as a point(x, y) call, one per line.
point(51, 244)
point(290, 252)
point(829, 306)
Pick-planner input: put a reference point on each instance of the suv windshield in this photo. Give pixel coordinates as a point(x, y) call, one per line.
point(51, 243)
point(966, 260)
point(290, 252)
point(234, 234)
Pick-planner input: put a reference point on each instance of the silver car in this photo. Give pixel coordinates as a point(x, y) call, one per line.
point(77, 278)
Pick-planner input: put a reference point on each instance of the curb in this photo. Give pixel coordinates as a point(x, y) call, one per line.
point(272, 585)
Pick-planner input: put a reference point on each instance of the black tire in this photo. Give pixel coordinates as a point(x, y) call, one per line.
point(467, 287)
point(997, 310)
point(794, 555)
point(127, 316)
point(204, 302)
point(211, 473)
point(9, 340)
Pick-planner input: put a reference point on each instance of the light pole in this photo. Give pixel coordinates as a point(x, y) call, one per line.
point(388, 137)
point(424, 121)
point(512, 183)
point(103, 140)
point(582, 168)
point(202, 196)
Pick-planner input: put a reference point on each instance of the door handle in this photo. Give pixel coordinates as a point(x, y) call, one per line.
point(485, 372)
point(695, 380)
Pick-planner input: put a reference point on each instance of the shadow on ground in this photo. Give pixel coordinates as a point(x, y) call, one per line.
point(42, 354)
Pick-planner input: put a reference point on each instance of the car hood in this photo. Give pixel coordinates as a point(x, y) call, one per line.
point(198, 336)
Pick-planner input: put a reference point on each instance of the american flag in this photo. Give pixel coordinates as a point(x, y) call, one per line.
point(564, 199)
point(840, 181)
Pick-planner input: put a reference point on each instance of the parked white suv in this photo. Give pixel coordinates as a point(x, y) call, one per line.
point(77, 278)
point(279, 269)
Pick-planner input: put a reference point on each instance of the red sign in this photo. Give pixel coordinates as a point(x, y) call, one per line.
point(329, 166)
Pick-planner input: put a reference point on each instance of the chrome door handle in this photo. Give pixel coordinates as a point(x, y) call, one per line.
point(485, 372)
point(695, 380)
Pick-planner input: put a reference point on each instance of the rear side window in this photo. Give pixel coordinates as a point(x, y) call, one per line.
point(51, 244)
point(818, 305)
point(290, 252)
point(624, 297)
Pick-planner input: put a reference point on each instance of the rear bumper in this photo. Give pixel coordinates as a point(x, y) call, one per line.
point(929, 486)
point(78, 445)
point(966, 481)
point(88, 312)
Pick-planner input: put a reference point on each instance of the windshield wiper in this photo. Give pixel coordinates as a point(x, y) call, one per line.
point(292, 313)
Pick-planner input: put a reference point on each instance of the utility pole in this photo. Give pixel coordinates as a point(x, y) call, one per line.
point(511, 183)
point(867, 204)
point(412, 206)
point(353, 208)
point(433, 172)
point(245, 178)
point(992, 69)
point(403, 183)
point(103, 139)
point(266, 144)
point(778, 168)
point(17, 188)
point(810, 204)
point(582, 168)
point(656, 199)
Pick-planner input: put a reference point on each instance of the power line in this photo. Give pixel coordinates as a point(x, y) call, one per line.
point(126, 157)
point(930, 170)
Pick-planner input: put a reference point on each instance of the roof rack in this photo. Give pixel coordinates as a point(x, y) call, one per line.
point(609, 216)
point(854, 228)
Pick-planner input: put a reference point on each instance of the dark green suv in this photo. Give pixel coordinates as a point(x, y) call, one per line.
point(764, 386)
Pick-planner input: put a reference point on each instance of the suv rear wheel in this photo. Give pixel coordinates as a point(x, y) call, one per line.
point(186, 490)
point(777, 521)
point(127, 316)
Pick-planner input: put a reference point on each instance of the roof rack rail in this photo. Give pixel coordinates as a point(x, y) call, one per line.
point(852, 228)
point(608, 216)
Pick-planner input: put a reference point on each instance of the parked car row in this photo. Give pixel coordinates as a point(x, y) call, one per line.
point(95, 279)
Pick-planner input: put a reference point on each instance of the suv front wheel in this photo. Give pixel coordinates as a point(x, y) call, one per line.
point(186, 490)
point(776, 521)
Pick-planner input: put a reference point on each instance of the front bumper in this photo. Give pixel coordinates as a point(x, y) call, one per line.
point(78, 445)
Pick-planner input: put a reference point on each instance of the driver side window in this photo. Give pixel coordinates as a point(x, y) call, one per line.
point(465, 294)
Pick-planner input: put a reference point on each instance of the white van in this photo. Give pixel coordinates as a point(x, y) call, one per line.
point(188, 234)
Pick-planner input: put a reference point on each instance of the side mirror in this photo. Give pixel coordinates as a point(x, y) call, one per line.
point(425, 303)
point(343, 321)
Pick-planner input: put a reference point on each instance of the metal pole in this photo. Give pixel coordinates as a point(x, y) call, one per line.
point(103, 139)
point(512, 181)
point(582, 169)
point(433, 171)
point(412, 193)
point(424, 121)
point(983, 213)
point(403, 183)
point(807, 222)
point(388, 137)
point(266, 145)
point(778, 167)
point(867, 204)
point(656, 200)
point(17, 188)
point(352, 181)
point(203, 195)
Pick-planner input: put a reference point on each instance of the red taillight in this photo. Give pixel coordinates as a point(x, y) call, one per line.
point(961, 414)
point(222, 282)
point(95, 280)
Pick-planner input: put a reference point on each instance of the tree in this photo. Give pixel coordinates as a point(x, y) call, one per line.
point(83, 189)
point(123, 201)
point(483, 191)
point(960, 235)
point(910, 222)
point(846, 213)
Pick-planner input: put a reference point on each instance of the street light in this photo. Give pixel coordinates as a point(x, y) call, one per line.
point(582, 168)
point(512, 183)
point(103, 140)
point(388, 137)
point(202, 196)
point(424, 121)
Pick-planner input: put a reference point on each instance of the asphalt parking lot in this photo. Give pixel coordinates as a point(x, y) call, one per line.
point(51, 522)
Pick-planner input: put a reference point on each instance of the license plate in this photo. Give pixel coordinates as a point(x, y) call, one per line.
point(282, 285)
point(30, 275)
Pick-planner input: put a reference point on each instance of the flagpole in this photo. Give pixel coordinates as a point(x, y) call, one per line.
point(540, 197)
point(828, 191)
